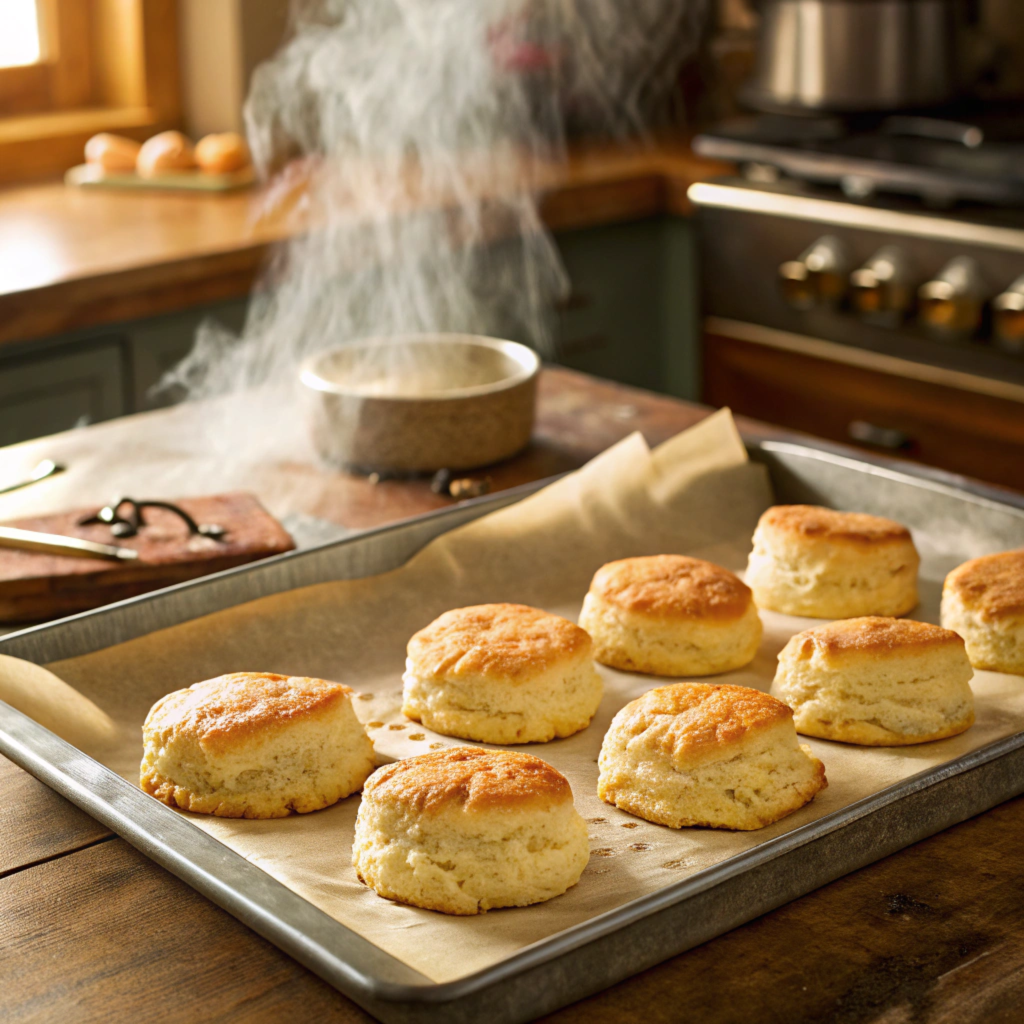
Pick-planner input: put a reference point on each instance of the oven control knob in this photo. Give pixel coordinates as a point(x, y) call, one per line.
point(951, 304)
point(880, 290)
point(1008, 318)
point(818, 276)
point(796, 286)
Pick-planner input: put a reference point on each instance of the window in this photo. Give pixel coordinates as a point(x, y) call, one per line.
point(19, 33)
point(44, 55)
point(71, 68)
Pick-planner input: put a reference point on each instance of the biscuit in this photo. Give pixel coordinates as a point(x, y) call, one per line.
point(112, 152)
point(254, 745)
point(167, 152)
point(877, 682)
point(707, 754)
point(501, 673)
point(983, 601)
point(223, 153)
point(832, 565)
point(670, 615)
point(465, 830)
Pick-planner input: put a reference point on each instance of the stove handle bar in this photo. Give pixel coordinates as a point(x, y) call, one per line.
point(969, 135)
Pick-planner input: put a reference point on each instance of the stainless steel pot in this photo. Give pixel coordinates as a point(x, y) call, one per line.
point(850, 55)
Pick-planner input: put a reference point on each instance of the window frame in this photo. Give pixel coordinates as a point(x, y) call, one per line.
point(107, 65)
point(62, 77)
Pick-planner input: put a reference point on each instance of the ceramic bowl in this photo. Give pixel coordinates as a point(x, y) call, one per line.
point(419, 403)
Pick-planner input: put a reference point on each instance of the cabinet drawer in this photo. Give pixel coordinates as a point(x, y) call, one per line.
point(959, 430)
point(60, 390)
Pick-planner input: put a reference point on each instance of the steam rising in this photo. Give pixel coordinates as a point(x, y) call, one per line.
point(424, 132)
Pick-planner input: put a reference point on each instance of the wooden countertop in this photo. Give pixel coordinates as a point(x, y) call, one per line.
point(74, 258)
point(92, 930)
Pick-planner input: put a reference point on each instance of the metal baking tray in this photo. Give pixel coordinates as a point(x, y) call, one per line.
point(603, 950)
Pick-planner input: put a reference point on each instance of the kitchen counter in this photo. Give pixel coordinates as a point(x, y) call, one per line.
point(92, 930)
point(74, 258)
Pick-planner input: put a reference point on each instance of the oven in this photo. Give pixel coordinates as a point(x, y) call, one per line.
point(881, 322)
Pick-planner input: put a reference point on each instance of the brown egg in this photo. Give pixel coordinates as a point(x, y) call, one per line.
point(168, 151)
point(221, 154)
point(112, 152)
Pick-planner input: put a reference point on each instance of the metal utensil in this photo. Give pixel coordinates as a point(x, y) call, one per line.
point(130, 524)
point(45, 468)
point(55, 544)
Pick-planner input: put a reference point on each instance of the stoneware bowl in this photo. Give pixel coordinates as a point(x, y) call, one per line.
point(422, 402)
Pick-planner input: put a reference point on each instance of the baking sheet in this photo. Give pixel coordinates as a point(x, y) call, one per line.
point(696, 495)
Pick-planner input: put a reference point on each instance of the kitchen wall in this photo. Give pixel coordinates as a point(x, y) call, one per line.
point(221, 41)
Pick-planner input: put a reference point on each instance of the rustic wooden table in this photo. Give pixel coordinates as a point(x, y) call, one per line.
point(90, 930)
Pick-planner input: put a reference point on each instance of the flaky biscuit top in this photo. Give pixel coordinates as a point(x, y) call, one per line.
point(511, 642)
point(234, 709)
point(815, 523)
point(468, 780)
point(690, 721)
point(991, 586)
point(672, 587)
point(870, 635)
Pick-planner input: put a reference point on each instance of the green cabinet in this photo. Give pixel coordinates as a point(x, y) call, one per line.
point(631, 317)
point(158, 345)
point(631, 314)
point(56, 384)
point(60, 388)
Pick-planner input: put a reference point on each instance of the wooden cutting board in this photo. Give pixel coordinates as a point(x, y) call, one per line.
point(36, 586)
point(91, 176)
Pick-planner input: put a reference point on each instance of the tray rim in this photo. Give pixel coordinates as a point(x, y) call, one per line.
point(25, 742)
point(324, 960)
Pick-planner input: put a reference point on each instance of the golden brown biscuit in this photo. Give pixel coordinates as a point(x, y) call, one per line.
point(877, 682)
point(465, 830)
point(501, 673)
point(223, 153)
point(168, 151)
point(255, 745)
point(112, 152)
point(830, 565)
point(670, 615)
point(707, 754)
point(983, 600)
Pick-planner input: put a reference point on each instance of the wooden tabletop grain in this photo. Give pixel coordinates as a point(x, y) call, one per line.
point(90, 930)
point(73, 258)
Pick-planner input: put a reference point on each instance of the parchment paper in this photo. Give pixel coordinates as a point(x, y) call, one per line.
point(697, 495)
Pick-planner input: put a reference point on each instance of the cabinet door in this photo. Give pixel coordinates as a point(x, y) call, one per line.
point(158, 345)
point(631, 315)
point(611, 324)
point(59, 390)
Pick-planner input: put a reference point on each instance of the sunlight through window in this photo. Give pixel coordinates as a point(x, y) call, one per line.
point(19, 33)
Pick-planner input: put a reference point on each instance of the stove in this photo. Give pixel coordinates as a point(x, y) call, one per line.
point(877, 259)
point(898, 233)
point(970, 153)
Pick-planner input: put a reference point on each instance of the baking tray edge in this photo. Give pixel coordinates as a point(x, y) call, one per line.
point(564, 967)
point(580, 960)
